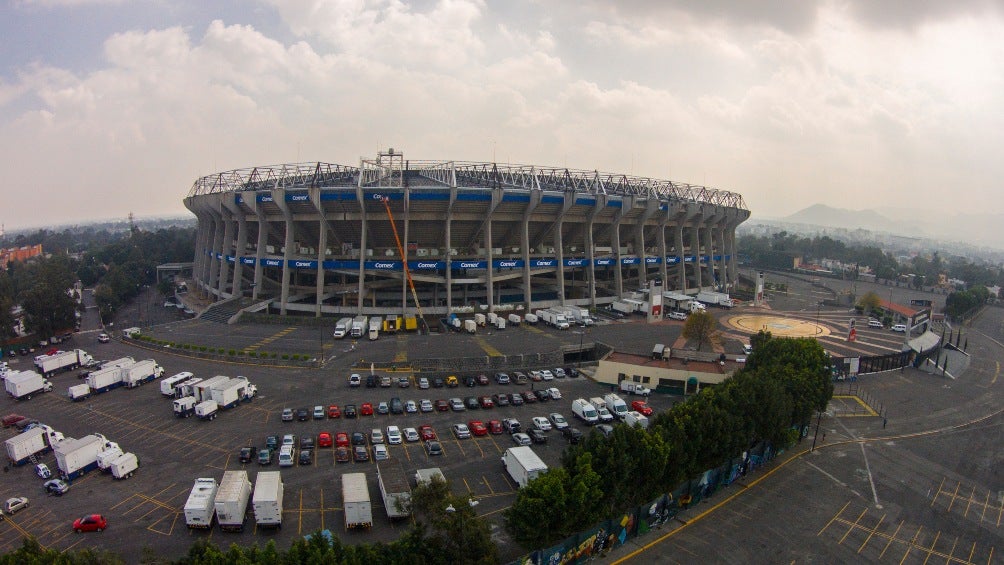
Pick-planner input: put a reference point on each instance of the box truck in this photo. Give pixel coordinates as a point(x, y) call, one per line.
point(231, 501)
point(715, 298)
point(200, 507)
point(356, 501)
point(376, 323)
point(49, 365)
point(342, 328)
point(601, 409)
point(228, 394)
point(394, 489)
point(202, 390)
point(184, 407)
point(632, 417)
point(141, 372)
point(576, 314)
point(21, 385)
point(75, 457)
point(35, 441)
point(358, 326)
point(186, 388)
point(107, 455)
point(553, 318)
point(470, 326)
point(267, 500)
point(207, 410)
point(531, 318)
point(167, 385)
point(522, 464)
point(106, 378)
point(124, 466)
point(79, 392)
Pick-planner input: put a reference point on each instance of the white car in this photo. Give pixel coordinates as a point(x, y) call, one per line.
point(520, 438)
point(873, 323)
point(410, 407)
point(677, 315)
point(411, 434)
point(393, 435)
point(555, 393)
point(355, 379)
point(12, 505)
point(541, 423)
point(559, 373)
point(898, 328)
point(380, 452)
point(423, 383)
point(547, 375)
point(376, 436)
point(42, 470)
point(461, 431)
point(558, 420)
point(425, 405)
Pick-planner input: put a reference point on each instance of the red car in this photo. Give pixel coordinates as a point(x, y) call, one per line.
point(643, 408)
point(90, 523)
point(334, 411)
point(324, 439)
point(342, 439)
point(427, 433)
point(477, 427)
point(11, 419)
point(486, 402)
point(495, 427)
point(366, 409)
point(442, 405)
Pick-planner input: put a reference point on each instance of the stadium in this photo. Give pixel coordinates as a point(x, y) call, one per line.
point(323, 239)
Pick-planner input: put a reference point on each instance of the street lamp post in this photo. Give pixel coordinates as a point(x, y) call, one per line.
point(463, 535)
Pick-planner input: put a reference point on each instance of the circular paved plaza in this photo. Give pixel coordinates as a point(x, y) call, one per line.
point(779, 326)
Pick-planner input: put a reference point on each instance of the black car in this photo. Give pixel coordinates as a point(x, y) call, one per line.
point(542, 395)
point(516, 399)
point(469, 380)
point(272, 442)
point(536, 436)
point(306, 457)
point(247, 453)
point(361, 453)
point(396, 406)
point(573, 435)
point(371, 381)
point(438, 382)
point(433, 448)
point(307, 442)
point(571, 372)
point(471, 402)
point(302, 414)
point(358, 438)
point(349, 411)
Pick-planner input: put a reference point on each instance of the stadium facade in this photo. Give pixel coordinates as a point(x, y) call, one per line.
point(316, 238)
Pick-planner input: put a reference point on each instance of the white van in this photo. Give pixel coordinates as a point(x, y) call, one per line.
point(286, 456)
point(585, 411)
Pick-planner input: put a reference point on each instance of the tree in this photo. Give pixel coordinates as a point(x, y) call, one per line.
point(455, 531)
point(870, 302)
point(701, 327)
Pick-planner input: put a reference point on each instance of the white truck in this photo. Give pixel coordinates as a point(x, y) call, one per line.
point(696, 306)
point(356, 501)
point(109, 376)
point(124, 466)
point(203, 390)
point(523, 464)
point(107, 455)
point(615, 405)
point(601, 410)
point(141, 372)
point(425, 476)
point(229, 393)
point(75, 457)
point(632, 417)
point(394, 489)
point(635, 388)
point(231, 500)
point(623, 307)
point(554, 318)
point(470, 326)
point(657, 351)
point(267, 499)
point(342, 328)
point(186, 388)
point(500, 323)
point(184, 407)
point(358, 326)
point(167, 385)
point(715, 298)
point(35, 441)
point(207, 410)
point(79, 392)
point(200, 508)
point(531, 318)
point(576, 314)
point(585, 411)
point(21, 385)
point(514, 319)
point(376, 324)
point(49, 365)
point(480, 319)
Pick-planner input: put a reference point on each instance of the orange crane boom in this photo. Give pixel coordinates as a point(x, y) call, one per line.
point(404, 261)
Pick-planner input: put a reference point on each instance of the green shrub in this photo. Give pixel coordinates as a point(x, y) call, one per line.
point(202, 348)
point(231, 353)
point(285, 356)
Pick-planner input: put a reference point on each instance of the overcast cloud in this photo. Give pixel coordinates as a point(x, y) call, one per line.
point(110, 107)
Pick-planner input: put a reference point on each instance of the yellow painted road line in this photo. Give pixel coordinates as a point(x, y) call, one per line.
point(935, 499)
point(970, 502)
point(954, 496)
point(401, 356)
point(971, 552)
point(872, 533)
point(270, 339)
point(913, 542)
point(986, 503)
point(491, 351)
point(322, 509)
point(951, 554)
point(487, 484)
point(997, 372)
point(891, 539)
point(931, 550)
point(853, 526)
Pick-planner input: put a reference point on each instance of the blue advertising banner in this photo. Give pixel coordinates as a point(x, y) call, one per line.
point(507, 264)
point(247, 260)
point(264, 197)
point(301, 264)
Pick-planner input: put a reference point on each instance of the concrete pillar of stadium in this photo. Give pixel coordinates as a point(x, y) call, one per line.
point(590, 247)
point(681, 256)
point(361, 288)
point(259, 249)
point(709, 247)
point(228, 238)
point(241, 245)
point(525, 245)
point(695, 249)
point(214, 270)
point(663, 248)
point(615, 236)
point(404, 258)
point(207, 254)
point(559, 247)
point(489, 272)
point(448, 243)
point(322, 245)
point(733, 260)
point(723, 273)
point(279, 199)
point(651, 207)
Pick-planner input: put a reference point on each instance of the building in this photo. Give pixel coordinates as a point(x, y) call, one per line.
point(9, 255)
point(317, 239)
point(673, 375)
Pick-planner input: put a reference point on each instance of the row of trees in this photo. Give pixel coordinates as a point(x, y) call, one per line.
point(784, 382)
point(43, 288)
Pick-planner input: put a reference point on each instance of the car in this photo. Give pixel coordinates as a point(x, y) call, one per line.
point(442, 405)
point(486, 402)
point(536, 376)
point(42, 471)
point(411, 407)
point(559, 373)
point(471, 402)
point(642, 407)
point(403, 382)
point(324, 439)
point(246, 454)
point(501, 399)
point(557, 420)
point(383, 408)
point(477, 427)
point(433, 448)
point(482, 379)
point(899, 328)
point(747, 349)
point(286, 456)
point(519, 438)
point(572, 435)
point(264, 456)
point(104, 338)
point(287, 414)
point(56, 487)
point(572, 372)
point(873, 323)
point(677, 315)
point(380, 452)
point(452, 382)
point(457, 405)
point(334, 411)
point(470, 381)
point(90, 523)
point(376, 436)
point(411, 434)
point(366, 409)
point(306, 457)
point(605, 429)
point(358, 438)
point(342, 439)
point(319, 412)
point(541, 423)
point(342, 455)
point(423, 383)
point(461, 431)
point(302, 414)
point(272, 442)
point(355, 379)
point(427, 432)
point(529, 397)
point(289, 439)
point(502, 378)
point(27, 424)
point(393, 435)
point(12, 505)
point(494, 427)
point(425, 405)
point(350, 411)
point(516, 399)
point(511, 425)
point(396, 406)
point(519, 377)
point(385, 382)
point(542, 395)
point(371, 381)
point(438, 382)
point(547, 375)
point(537, 436)
point(361, 453)
point(555, 393)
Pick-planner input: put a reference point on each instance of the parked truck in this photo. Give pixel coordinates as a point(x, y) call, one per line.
point(514, 319)
point(184, 407)
point(531, 318)
point(79, 392)
point(22, 385)
point(623, 307)
point(635, 388)
point(207, 410)
point(376, 324)
point(343, 327)
point(35, 441)
point(553, 318)
point(167, 386)
point(141, 372)
point(186, 388)
point(231, 501)
point(394, 489)
point(203, 390)
point(523, 464)
point(576, 314)
point(53, 363)
point(470, 326)
point(267, 500)
point(391, 324)
point(200, 508)
point(110, 453)
point(585, 411)
point(358, 326)
point(602, 413)
point(356, 501)
point(715, 298)
point(124, 466)
point(632, 417)
point(75, 457)
point(228, 394)
point(109, 376)
point(615, 405)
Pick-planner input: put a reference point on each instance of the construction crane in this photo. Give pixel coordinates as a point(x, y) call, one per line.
point(404, 260)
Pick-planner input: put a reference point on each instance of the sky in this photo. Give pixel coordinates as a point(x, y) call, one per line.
point(115, 106)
